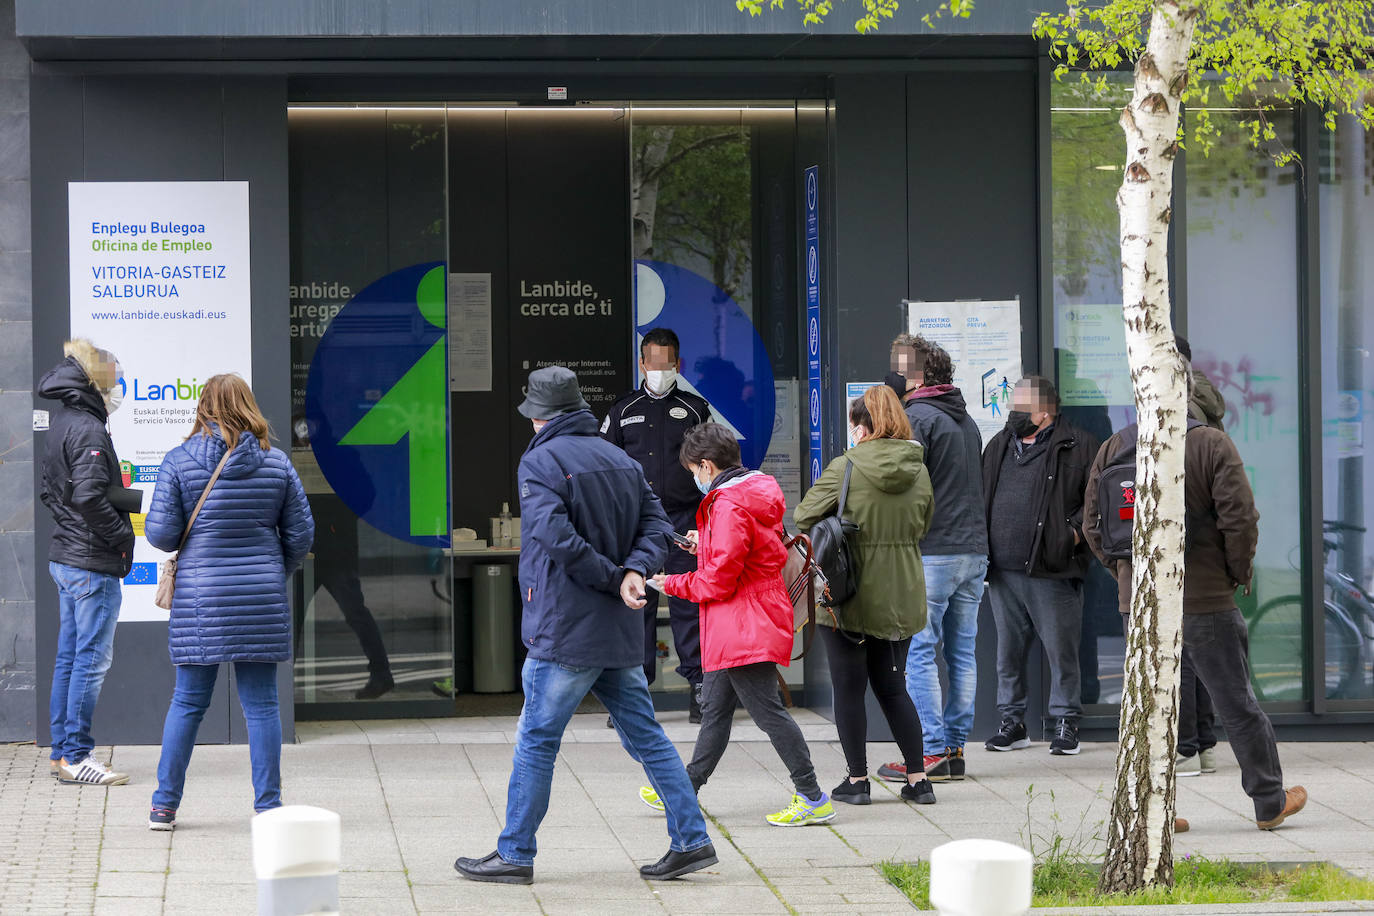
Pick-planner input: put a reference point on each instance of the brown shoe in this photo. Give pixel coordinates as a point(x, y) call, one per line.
point(1180, 825)
point(1293, 801)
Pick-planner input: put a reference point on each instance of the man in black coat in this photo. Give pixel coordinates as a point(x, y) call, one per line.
point(91, 550)
point(592, 531)
point(650, 423)
point(1034, 473)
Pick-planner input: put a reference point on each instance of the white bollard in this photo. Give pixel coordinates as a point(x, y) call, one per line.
point(980, 878)
point(296, 851)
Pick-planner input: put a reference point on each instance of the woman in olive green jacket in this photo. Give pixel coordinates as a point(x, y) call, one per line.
point(891, 501)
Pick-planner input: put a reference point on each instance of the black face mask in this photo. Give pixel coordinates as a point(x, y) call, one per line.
point(1020, 423)
point(897, 382)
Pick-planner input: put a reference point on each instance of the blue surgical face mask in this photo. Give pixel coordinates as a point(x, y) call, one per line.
point(703, 487)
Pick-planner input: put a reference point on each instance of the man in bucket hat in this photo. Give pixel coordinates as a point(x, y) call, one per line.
point(591, 532)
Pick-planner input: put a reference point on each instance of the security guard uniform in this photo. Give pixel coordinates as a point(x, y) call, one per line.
point(650, 428)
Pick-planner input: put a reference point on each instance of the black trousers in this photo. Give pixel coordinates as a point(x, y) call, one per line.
point(684, 618)
point(880, 663)
point(755, 687)
point(1219, 645)
point(1196, 717)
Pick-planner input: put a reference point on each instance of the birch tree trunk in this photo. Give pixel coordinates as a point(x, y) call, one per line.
point(1140, 829)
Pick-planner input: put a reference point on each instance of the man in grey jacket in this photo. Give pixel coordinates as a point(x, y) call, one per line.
point(954, 554)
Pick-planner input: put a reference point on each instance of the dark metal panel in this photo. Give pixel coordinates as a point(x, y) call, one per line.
point(367, 18)
point(254, 150)
point(55, 140)
point(1310, 466)
point(975, 191)
point(870, 228)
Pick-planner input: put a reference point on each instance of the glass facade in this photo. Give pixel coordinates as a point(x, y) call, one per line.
point(1090, 367)
point(1345, 169)
point(439, 253)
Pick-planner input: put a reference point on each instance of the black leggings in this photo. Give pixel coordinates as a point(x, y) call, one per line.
point(882, 663)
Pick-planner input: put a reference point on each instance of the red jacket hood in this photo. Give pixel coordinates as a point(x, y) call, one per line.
point(756, 493)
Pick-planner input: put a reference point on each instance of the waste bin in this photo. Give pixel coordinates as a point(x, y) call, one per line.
point(493, 629)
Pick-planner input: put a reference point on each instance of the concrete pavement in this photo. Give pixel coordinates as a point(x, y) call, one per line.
point(414, 794)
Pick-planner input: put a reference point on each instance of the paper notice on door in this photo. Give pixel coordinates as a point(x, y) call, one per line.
point(469, 332)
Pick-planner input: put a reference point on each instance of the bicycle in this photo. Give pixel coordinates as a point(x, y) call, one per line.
point(1276, 634)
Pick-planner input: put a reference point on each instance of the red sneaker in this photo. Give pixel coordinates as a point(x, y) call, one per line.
point(893, 772)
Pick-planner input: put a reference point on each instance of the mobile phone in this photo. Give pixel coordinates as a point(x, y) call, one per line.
point(682, 540)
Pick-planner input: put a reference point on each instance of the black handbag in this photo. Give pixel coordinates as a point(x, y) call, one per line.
point(832, 543)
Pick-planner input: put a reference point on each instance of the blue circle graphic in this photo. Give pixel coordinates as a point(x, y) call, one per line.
point(723, 356)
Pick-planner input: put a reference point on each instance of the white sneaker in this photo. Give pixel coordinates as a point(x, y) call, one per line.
point(1188, 766)
point(1208, 758)
point(90, 772)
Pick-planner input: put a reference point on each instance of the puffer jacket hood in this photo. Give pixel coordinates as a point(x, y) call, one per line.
point(746, 615)
point(67, 382)
point(891, 465)
point(207, 451)
point(946, 397)
point(1206, 404)
point(755, 493)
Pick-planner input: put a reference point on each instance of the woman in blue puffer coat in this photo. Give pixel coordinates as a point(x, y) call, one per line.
point(251, 534)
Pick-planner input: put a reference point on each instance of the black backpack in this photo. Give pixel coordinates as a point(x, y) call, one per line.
point(1116, 498)
point(831, 540)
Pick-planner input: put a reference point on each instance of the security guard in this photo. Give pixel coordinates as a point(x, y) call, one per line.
point(649, 423)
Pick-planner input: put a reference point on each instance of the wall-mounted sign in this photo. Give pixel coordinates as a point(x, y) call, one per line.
point(812, 208)
point(983, 338)
point(160, 278)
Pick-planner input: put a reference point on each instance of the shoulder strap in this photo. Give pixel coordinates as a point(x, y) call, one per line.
point(844, 487)
point(204, 493)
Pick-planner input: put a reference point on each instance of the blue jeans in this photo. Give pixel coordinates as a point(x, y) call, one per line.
point(88, 604)
point(954, 590)
point(552, 693)
point(257, 683)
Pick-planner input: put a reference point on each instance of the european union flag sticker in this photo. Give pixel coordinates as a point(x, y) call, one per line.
point(142, 574)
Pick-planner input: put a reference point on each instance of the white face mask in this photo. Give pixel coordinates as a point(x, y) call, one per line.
point(113, 398)
point(660, 380)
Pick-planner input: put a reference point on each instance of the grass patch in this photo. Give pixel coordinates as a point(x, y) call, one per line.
point(1198, 880)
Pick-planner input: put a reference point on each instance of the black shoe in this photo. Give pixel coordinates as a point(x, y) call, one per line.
point(947, 767)
point(493, 869)
point(852, 793)
point(1065, 742)
point(676, 864)
point(376, 685)
point(923, 793)
point(1011, 736)
point(694, 705)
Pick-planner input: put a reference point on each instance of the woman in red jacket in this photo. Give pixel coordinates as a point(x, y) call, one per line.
point(746, 617)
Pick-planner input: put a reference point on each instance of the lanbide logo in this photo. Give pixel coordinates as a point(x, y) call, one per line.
point(175, 390)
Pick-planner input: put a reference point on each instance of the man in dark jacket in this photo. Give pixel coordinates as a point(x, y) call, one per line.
point(954, 554)
point(1034, 472)
point(1223, 531)
point(91, 551)
point(649, 423)
point(592, 532)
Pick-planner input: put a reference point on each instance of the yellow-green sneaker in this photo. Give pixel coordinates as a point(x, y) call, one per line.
point(802, 812)
point(650, 798)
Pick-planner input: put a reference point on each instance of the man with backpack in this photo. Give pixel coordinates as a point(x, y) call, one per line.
point(1223, 528)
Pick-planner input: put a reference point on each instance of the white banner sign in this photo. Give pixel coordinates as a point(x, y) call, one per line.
point(983, 338)
point(160, 278)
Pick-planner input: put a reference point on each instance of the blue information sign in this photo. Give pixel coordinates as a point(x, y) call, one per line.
point(813, 316)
